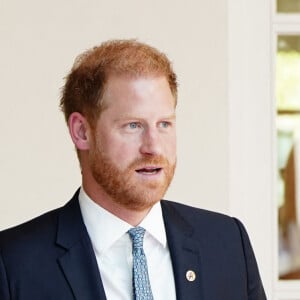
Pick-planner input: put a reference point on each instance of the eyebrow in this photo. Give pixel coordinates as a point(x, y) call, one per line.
point(170, 117)
point(132, 117)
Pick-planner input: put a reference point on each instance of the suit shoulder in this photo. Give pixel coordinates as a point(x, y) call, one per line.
point(201, 218)
point(190, 210)
point(38, 228)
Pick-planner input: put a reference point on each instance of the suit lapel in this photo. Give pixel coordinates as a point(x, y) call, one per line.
point(79, 263)
point(185, 254)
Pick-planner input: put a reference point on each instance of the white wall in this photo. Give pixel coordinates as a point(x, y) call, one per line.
point(39, 41)
point(250, 129)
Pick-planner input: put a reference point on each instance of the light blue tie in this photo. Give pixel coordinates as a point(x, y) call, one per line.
point(141, 283)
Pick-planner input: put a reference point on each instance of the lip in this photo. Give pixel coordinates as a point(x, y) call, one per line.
point(149, 170)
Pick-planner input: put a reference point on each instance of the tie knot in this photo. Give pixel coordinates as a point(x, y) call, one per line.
point(137, 235)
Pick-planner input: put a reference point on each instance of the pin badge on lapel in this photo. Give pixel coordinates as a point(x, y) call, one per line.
point(190, 275)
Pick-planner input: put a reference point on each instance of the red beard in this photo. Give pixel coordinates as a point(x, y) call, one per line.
point(124, 186)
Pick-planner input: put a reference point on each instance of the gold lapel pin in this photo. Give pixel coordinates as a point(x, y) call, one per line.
point(190, 275)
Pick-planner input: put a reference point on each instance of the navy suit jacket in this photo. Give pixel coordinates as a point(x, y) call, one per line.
point(51, 257)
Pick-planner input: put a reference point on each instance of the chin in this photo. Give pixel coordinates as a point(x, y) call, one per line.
point(141, 201)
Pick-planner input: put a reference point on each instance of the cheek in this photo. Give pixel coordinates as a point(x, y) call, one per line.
point(171, 147)
point(122, 153)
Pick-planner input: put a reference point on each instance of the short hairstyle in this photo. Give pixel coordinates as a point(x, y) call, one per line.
point(85, 84)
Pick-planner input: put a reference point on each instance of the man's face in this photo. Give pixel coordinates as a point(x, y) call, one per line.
point(133, 154)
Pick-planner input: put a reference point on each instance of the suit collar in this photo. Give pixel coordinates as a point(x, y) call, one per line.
point(79, 263)
point(185, 252)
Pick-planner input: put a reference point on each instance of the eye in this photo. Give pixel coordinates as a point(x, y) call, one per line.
point(164, 124)
point(133, 125)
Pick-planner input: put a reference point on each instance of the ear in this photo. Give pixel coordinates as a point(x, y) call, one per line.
point(79, 130)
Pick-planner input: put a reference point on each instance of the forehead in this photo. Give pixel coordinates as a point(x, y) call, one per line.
point(126, 90)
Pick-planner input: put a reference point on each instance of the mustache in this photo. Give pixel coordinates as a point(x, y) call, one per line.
point(158, 160)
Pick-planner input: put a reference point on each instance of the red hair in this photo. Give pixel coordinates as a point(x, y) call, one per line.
point(85, 83)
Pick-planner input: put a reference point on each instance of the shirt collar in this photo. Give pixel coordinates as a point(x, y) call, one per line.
point(154, 224)
point(105, 229)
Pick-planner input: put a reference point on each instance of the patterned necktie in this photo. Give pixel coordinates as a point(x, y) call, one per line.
point(141, 283)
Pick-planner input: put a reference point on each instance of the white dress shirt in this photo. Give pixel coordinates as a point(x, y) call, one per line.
point(113, 249)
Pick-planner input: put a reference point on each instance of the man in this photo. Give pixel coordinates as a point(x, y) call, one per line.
point(119, 102)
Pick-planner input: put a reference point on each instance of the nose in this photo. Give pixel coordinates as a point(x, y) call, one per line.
point(151, 142)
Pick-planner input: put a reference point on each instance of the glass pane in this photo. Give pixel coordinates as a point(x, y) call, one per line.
point(288, 6)
point(288, 157)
